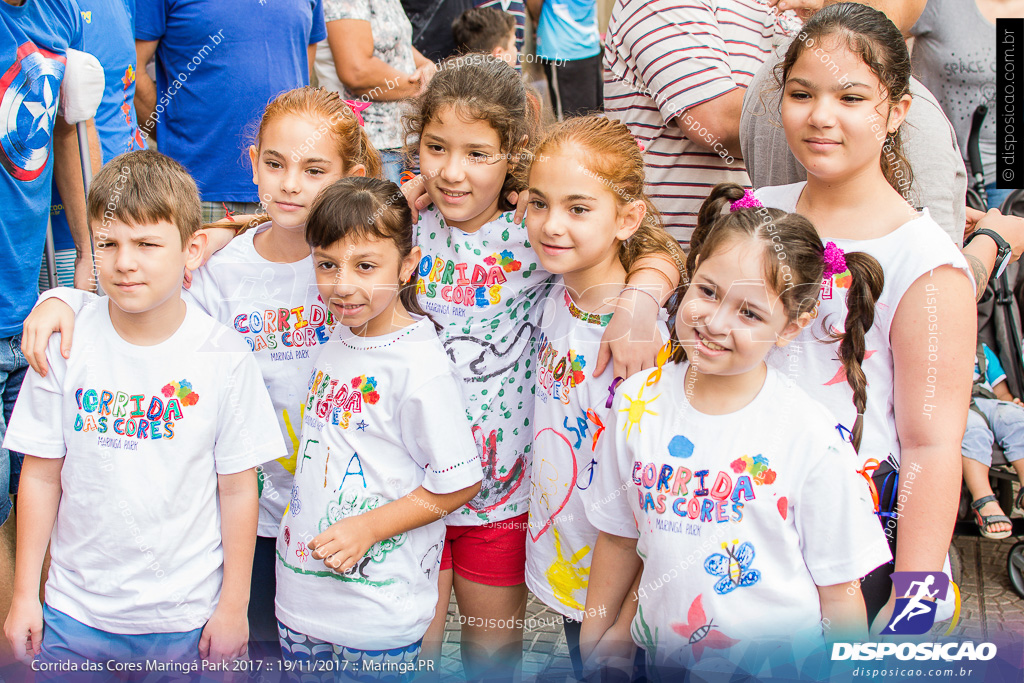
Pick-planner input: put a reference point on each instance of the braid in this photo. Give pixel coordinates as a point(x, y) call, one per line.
point(865, 288)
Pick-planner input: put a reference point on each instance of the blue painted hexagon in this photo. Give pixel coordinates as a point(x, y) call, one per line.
point(680, 447)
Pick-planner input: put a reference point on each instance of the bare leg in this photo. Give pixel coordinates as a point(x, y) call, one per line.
point(7, 536)
point(492, 633)
point(432, 639)
point(976, 476)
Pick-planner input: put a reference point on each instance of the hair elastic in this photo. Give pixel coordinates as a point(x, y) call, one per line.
point(835, 260)
point(643, 291)
point(747, 201)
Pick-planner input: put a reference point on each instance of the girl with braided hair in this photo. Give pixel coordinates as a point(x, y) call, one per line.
point(725, 478)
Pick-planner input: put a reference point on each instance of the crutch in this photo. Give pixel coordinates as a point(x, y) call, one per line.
point(81, 92)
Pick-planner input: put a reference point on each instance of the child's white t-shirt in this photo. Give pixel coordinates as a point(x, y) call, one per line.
point(483, 288)
point(276, 308)
point(144, 431)
point(571, 411)
point(252, 295)
point(383, 416)
point(738, 517)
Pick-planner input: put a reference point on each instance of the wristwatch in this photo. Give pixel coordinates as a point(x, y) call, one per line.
point(1003, 254)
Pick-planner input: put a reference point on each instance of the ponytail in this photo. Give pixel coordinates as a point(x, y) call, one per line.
point(865, 288)
point(407, 295)
point(712, 211)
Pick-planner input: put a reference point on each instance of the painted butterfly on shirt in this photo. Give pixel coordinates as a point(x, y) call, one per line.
point(734, 567)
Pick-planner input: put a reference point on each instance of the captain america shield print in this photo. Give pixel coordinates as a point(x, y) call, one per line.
point(29, 94)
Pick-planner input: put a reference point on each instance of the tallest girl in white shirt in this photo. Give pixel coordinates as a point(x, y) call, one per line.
point(846, 81)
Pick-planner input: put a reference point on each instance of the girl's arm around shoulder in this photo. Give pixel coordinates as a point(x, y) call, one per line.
point(632, 339)
point(54, 312)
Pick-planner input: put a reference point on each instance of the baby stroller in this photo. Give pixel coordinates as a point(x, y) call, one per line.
point(999, 326)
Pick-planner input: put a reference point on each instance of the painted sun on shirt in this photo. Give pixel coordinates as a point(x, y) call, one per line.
point(636, 409)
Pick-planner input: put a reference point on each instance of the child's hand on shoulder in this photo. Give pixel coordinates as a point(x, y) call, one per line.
point(226, 635)
point(344, 543)
point(24, 628)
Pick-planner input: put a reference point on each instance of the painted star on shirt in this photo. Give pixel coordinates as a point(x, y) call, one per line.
point(43, 111)
point(362, 425)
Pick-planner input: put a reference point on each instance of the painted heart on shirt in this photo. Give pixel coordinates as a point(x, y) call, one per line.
point(547, 502)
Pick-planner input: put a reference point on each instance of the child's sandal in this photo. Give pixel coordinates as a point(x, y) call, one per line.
point(987, 520)
point(1018, 502)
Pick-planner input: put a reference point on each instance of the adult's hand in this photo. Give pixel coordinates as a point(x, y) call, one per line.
point(1010, 228)
point(423, 75)
point(803, 8)
point(83, 272)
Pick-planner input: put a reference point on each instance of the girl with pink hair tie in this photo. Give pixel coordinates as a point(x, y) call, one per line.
point(845, 97)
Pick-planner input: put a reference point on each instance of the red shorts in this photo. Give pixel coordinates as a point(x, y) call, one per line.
point(493, 554)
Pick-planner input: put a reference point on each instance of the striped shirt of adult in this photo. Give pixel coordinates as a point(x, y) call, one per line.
point(664, 57)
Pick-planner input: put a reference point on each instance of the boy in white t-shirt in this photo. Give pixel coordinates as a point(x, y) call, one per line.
point(141, 448)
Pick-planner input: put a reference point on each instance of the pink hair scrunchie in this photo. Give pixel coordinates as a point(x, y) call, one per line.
point(747, 201)
point(835, 260)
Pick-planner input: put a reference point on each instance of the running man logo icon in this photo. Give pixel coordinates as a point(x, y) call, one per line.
point(917, 593)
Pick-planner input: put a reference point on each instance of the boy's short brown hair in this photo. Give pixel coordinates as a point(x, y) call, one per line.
point(482, 29)
point(145, 187)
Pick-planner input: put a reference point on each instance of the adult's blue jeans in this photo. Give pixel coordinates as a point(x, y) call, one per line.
point(12, 372)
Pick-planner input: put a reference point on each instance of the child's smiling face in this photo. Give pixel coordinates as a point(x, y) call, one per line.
point(837, 129)
point(729, 317)
point(575, 221)
point(359, 277)
point(290, 172)
point(465, 168)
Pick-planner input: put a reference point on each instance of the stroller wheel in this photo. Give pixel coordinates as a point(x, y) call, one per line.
point(1014, 204)
point(1015, 567)
point(974, 200)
